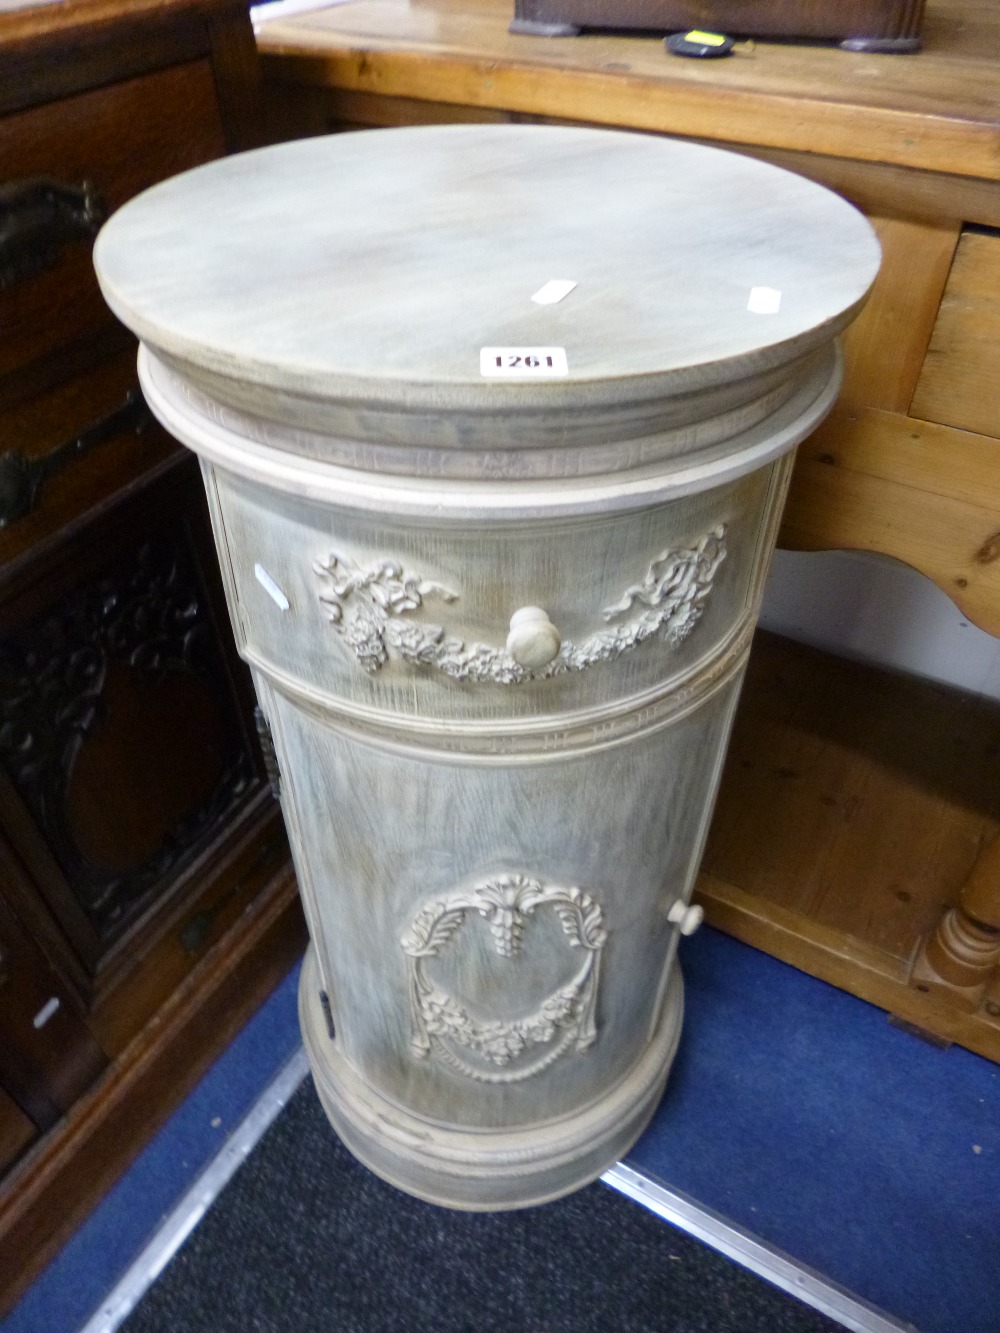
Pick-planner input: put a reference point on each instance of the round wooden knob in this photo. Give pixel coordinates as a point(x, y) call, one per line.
point(686, 919)
point(533, 640)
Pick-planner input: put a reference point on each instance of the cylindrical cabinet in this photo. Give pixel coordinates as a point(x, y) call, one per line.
point(496, 424)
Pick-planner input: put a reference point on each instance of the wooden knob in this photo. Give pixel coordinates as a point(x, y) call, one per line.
point(533, 640)
point(686, 919)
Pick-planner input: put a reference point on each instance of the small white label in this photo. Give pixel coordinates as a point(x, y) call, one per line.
point(270, 587)
point(764, 301)
point(47, 1010)
point(554, 290)
point(526, 363)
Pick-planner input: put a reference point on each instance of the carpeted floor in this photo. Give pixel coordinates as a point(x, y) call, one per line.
point(305, 1239)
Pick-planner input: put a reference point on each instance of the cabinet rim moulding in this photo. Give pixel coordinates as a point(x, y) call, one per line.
point(182, 414)
point(531, 742)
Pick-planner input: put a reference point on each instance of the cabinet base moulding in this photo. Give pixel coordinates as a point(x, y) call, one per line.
point(485, 1169)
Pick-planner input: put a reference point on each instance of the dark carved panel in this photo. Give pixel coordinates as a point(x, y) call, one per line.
point(119, 731)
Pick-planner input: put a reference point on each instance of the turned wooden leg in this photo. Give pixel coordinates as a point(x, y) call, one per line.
point(964, 950)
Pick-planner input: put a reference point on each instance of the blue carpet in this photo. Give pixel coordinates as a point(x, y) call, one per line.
point(84, 1272)
point(793, 1109)
point(801, 1114)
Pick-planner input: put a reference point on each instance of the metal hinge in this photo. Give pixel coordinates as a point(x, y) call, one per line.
point(267, 751)
point(324, 1003)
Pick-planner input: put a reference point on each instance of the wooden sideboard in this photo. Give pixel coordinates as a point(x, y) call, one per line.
point(147, 904)
point(855, 835)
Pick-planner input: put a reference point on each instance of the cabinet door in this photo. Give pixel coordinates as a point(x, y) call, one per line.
point(47, 1055)
point(128, 758)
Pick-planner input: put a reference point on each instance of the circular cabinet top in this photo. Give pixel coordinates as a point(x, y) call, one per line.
point(390, 258)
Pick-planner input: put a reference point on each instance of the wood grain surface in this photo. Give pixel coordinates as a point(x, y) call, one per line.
point(935, 112)
point(960, 381)
point(921, 493)
point(854, 805)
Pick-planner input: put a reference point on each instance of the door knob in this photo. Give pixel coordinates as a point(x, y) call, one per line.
point(533, 640)
point(686, 918)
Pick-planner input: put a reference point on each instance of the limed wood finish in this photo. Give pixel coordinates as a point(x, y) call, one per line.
point(139, 841)
point(497, 622)
point(907, 463)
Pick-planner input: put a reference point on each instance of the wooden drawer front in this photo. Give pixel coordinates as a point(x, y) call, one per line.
point(62, 454)
point(16, 1131)
point(958, 383)
point(885, 347)
point(120, 139)
point(47, 1055)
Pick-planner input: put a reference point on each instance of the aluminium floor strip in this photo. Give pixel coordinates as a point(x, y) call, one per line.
point(192, 1207)
point(809, 1286)
point(683, 1212)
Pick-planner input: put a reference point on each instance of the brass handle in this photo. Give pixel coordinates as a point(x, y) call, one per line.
point(38, 216)
point(21, 478)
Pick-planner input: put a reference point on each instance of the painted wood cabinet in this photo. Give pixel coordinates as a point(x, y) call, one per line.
point(495, 560)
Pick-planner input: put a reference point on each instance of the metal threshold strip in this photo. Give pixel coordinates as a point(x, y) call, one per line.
point(809, 1286)
point(192, 1207)
point(680, 1210)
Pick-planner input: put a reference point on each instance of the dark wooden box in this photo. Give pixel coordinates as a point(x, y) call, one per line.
point(873, 25)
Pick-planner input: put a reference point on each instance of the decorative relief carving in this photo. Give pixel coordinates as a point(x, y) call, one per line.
point(564, 1019)
point(367, 607)
point(143, 618)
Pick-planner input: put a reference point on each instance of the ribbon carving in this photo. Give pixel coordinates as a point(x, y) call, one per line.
point(368, 607)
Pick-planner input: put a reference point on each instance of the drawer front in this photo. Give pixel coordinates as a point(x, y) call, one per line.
point(368, 613)
point(17, 1132)
point(958, 382)
point(62, 167)
point(47, 1055)
point(63, 453)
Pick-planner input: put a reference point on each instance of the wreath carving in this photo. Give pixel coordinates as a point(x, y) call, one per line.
point(564, 1020)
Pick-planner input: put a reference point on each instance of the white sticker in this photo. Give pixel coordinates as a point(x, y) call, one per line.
point(46, 1012)
point(764, 301)
point(270, 587)
point(554, 290)
point(526, 363)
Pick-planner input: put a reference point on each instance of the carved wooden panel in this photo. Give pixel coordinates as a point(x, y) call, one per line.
point(125, 749)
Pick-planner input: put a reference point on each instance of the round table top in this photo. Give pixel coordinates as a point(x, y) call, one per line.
point(379, 265)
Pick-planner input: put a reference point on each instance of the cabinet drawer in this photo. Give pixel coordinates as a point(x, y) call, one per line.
point(16, 1131)
point(64, 453)
point(118, 140)
point(958, 382)
point(47, 1055)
